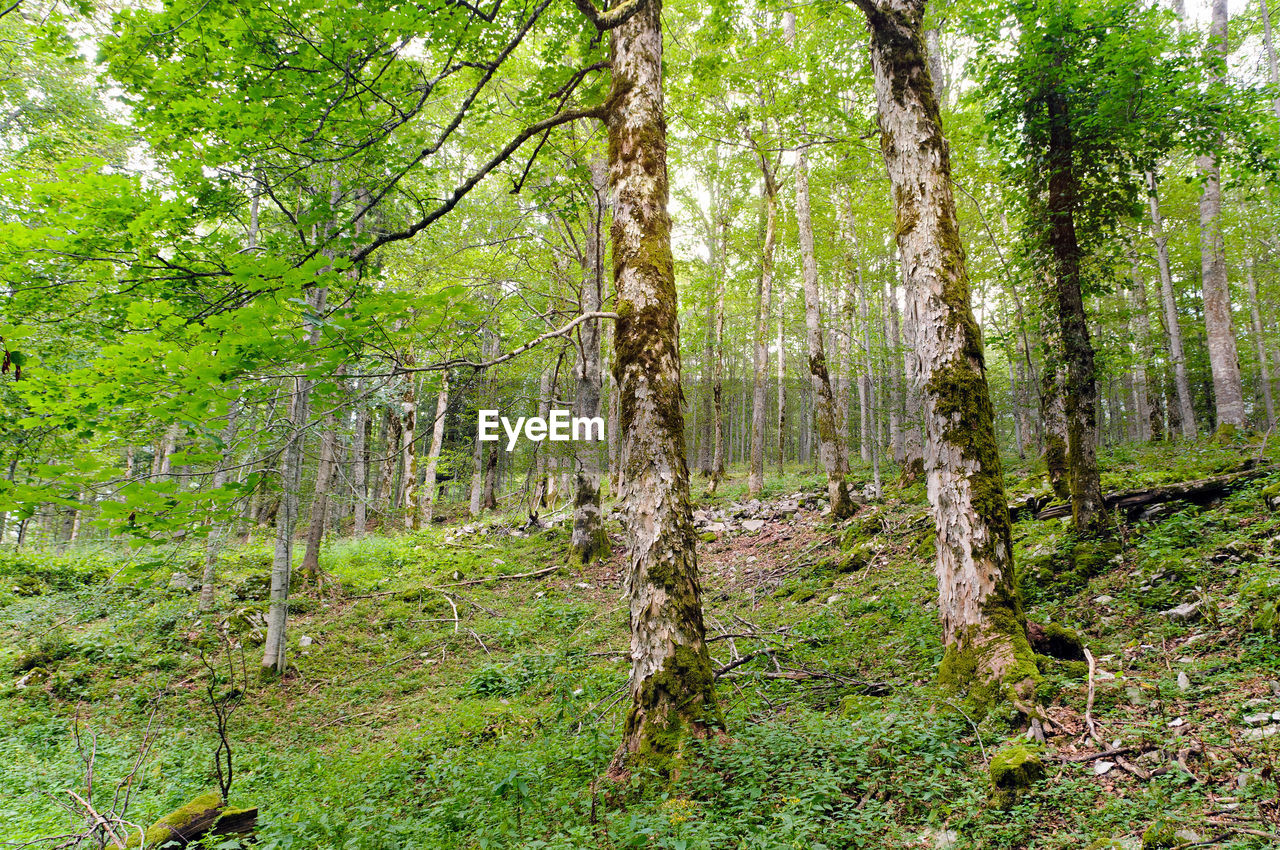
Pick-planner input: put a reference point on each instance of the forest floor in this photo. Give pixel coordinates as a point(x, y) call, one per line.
point(434, 703)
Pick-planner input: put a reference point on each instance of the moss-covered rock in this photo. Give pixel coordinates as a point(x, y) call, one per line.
point(1163, 833)
point(1014, 768)
point(1056, 641)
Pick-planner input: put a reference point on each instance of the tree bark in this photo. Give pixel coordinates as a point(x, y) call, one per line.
point(409, 449)
point(1081, 396)
point(361, 433)
point(984, 628)
point(671, 683)
point(718, 226)
point(1173, 331)
point(589, 542)
point(320, 500)
point(1272, 67)
point(1224, 361)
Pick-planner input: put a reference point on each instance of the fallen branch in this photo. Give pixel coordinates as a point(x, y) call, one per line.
point(1201, 491)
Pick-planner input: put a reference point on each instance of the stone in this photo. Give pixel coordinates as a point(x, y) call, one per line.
point(1184, 681)
point(1257, 719)
point(1013, 769)
point(1187, 612)
point(181, 581)
point(1177, 722)
point(941, 839)
point(305, 641)
point(752, 525)
point(1103, 599)
point(1101, 768)
point(1263, 732)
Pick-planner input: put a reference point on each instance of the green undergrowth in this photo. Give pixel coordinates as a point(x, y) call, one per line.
point(434, 704)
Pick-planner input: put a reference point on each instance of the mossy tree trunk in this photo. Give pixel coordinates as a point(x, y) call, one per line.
point(1081, 397)
point(320, 500)
point(589, 541)
point(1260, 343)
point(1224, 360)
point(764, 303)
point(1140, 324)
point(671, 683)
point(984, 628)
point(831, 448)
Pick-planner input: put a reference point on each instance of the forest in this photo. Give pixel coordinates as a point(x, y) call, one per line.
point(625, 424)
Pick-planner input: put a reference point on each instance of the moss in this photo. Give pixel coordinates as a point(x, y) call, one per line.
point(1162, 833)
point(172, 825)
point(675, 703)
point(1014, 768)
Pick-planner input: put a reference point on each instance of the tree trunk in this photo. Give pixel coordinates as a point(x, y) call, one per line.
point(320, 501)
point(1140, 323)
point(409, 449)
point(273, 650)
point(831, 449)
point(1081, 396)
point(671, 683)
point(764, 301)
point(361, 433)
point(912, 436)
point(428, 496)
point(1272, 67)
point(893, 377)
point(1228, 389)
point(782, 388)
point(589, 542)
point(218, 530)
point(984, 629)
point(1259, 341)
point(718, 230)
point(1173, 331)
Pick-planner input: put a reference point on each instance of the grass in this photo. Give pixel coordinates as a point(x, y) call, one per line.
point(485, 716)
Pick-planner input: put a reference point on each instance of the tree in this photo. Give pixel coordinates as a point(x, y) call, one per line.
point(671, 684)
point(984, 628)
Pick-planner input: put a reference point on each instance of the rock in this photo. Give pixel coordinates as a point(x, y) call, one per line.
point(715, 528)
point(33, 677)
point(1104, 599)
point(1014, 768)
point(1160, 834)
point(305, 641)
point(752, 525)
point(1263, 732)
point(1187, 612)
point(1056, 641)
point(1187, 836)
point(1184, 681)
point(1101, 768)
point(786, 509)
point(941, 839)
point(1177, 722)
point(1257, 719)
point(181, 581)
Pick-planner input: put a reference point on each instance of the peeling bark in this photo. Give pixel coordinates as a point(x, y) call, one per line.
point(671, 683)
point(984, 628)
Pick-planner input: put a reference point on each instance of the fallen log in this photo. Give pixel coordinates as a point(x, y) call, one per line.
point(205, 815)
point(1133, 502)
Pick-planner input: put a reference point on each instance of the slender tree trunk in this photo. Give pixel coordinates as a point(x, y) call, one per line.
point(893, 377)
point(1148, 422)
point(1169, 305)
point(273, 651)
point(913, 436)
point(1087, 509)
point(671, 683)
point(218, 530)
point(589, 542)
point(764, 299)
point(1272, 65)
point(718, 229)
point(409, 449)
point(167, 449)
point(1228, 389)
point(983, 625)
point(831, 448)
point(1259, 341)
point(360, 435)
point(427, 498)
point(320, 500)
point(782, 389)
